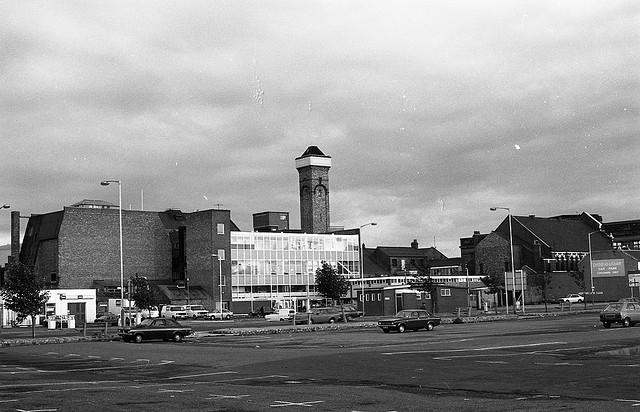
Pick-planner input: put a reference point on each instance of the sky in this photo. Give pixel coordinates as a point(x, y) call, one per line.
point(432, 111)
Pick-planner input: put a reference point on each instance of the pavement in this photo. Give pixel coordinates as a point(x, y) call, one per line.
point(17, 336)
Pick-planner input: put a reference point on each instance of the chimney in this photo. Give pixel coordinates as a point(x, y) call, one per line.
point(15, 236)
point(414, 244)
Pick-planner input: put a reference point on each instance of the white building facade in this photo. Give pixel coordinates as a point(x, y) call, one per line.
point(278, 269)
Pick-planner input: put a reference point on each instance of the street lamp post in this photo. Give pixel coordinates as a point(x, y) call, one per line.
point(362, 262)
point(591, 265)
point(106, 183)
point(219, 279)
point(513, 269)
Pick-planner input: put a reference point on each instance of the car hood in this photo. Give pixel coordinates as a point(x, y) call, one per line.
point(391, 319)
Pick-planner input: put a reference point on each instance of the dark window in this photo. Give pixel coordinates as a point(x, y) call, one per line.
point(394, 262)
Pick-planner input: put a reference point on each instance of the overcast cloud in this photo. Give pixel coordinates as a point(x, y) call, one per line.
point(432, 111)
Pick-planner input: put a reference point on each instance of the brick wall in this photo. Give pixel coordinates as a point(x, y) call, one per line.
point(203, 240)
point(89, 247)
point(491, 253)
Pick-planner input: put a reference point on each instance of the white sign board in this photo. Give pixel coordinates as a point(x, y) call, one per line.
point(608, 268)
point(634, 280)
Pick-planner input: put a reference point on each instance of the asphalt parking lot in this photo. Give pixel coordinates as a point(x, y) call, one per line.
point(560, 363)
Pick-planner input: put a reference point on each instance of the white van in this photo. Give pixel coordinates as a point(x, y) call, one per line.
point(280, 314)
point(174, 312)
point(195, 311)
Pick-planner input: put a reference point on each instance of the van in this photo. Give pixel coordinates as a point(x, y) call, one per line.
point(174, 312)
point(195, 311)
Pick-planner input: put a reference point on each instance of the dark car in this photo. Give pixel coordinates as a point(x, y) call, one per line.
point(625, 313)
point(155, 328)
point(412, 319)
point(319, 315)
point(350, 311)
point(108, 318)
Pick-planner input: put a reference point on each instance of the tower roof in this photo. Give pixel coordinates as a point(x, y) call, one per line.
point(313, 151)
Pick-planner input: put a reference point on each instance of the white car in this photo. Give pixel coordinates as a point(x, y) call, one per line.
point(280, 315)
point(216, 314)
point(572, 298)
point(174, 312)
point(196, 311)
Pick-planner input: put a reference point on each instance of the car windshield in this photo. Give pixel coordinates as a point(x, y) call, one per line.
point(197, 307)
point(404, 314)
point(146, 322)
point(614, 307)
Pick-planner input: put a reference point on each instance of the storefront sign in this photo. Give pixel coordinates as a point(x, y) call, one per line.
point(608, 268)
point(634, 280)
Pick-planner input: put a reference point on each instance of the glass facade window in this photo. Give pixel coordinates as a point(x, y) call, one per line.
point(282, 266)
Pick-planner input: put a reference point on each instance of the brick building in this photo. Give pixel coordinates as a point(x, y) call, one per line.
point(78, 247)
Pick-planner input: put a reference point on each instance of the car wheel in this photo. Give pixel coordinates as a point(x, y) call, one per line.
point(332, 320)
point(138, 338)
point(177, 337)
point(606, 324)
point(385, 330)
point(195, 317)
point(626, 323)
point(401, 328)
point(429, 326)
point(228, 317)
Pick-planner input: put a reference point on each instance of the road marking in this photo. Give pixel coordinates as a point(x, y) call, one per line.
point(635, 365)
point(140, 360)
point(486, 348)
point(558, 364)
point(174, 390)
point(93, 357)
point(200, 374)
point(635, 402)
point(500, 361)
point(114, 359)
point(308, 404)
point(214, 396)
point(72, 355)
point(36, 410)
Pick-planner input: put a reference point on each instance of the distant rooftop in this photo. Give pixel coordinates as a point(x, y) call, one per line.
point(95, 204)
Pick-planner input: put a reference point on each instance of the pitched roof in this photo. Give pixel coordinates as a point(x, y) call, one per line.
point(559, 233)
point(313, 151)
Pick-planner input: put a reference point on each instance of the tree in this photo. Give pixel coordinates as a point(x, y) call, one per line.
point(141, 292)
point(424, 283)
point(23, 293)
point(580, 279)
point(329, 283)
point(495, 284)
point(540, 281)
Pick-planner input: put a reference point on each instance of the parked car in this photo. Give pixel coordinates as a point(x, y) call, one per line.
point(280, 315)
point(108, 318)
point(350, 311)
point(572, 298)
point(625, 313)
point(635, 300)
point(319, 315)
point(159, 328)
point(413, 319)
point(174, 312)
point(196, 311)
point(217, 314)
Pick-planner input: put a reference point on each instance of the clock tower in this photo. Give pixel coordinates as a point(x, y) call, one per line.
point(313, 169)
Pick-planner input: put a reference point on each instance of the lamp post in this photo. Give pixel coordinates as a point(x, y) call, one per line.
point(591, 265)
point(219, 279)
point(361, 260)
point(513, 269)
point(106, 183)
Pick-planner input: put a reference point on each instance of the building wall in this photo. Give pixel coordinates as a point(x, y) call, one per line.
point(202, 241)
point(89, 246)
point(491, 254)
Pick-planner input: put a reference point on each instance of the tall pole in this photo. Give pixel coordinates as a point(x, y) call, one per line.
point(591, 266)
point(360, 247)
point(513, 270)
point(106, 183)
point(220, 269)
point(513, 267)
point(213, 282)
